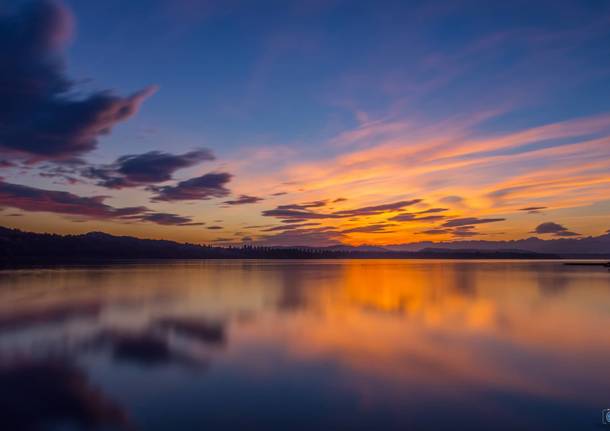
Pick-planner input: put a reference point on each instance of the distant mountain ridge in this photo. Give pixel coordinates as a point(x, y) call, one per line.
point(18, 246)
point(566, 247)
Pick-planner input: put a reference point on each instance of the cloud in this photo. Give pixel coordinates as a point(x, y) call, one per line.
point(377, 209)
point(470, 221)
point(41, 200)
point(41, 117)
point(549, 227)
point(555, 229)
point(169, 219)
point(407, 217)
point(436, 231)
point(289, 227)
point(303, 206)
point(567, 233)
point(372, 228)
point(298, 211)
point(296, 214)
point(143, 169)
point(532, 210)
point(433, 210)
point(464, 233)
point(211, 185)
point(244, 199)
point(214, 227)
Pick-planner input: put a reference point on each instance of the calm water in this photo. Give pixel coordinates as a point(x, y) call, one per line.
point(304, 345)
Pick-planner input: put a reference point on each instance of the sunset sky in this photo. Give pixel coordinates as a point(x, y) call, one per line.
point(306, 122)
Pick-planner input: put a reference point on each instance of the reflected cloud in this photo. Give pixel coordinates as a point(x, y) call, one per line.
point(62, 313)
point(144, 349)
point(204, 331)
point(37, 394)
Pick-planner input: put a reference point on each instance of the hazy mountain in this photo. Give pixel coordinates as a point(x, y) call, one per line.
point(563, 246)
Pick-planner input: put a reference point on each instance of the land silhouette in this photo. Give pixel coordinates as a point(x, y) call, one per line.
point(19, 246)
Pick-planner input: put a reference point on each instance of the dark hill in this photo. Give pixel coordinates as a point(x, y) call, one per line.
point(18, 246)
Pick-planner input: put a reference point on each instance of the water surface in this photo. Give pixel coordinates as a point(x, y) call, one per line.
point(303, 345)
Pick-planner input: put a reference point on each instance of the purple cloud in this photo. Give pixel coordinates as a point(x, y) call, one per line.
point(300, 212)
point(377, 209)
point(554, 228)
point(470, 221)
point(243, 200)
point(168, 219)
point(207, 186)
point(532, 210)
point(142, 169)
point(41, 200)
point(372, 228)
point(41, 118)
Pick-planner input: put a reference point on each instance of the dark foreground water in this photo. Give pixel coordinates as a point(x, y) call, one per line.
point(305, 345)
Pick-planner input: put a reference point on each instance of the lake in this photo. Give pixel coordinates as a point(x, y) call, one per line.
point(305, 345)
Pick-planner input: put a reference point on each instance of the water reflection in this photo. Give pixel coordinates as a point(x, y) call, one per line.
point(305, 345)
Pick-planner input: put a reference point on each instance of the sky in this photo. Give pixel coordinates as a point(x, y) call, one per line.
point(306, 122)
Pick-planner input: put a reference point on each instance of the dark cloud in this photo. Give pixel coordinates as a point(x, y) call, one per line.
point(555, 229)
point(303, 206)
point(279, 194)
point(41, 200)
point(41, 117)
point(413, 217)
point(377, 209)
point(436, 231)
point(33, 199)
point(469, 221)
point(211, 185)
point(214, 227)
point(244, 199)
point(532, 210)
point(567, 233)
point(222, 240)
point(299, 211)
point(169, 219)
point(433, 210)
point(296, 214)
point(289, 227)
point(45, 394)
point(372, 228)
point(464, 233)
point(549, 227)
point(144, 169)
